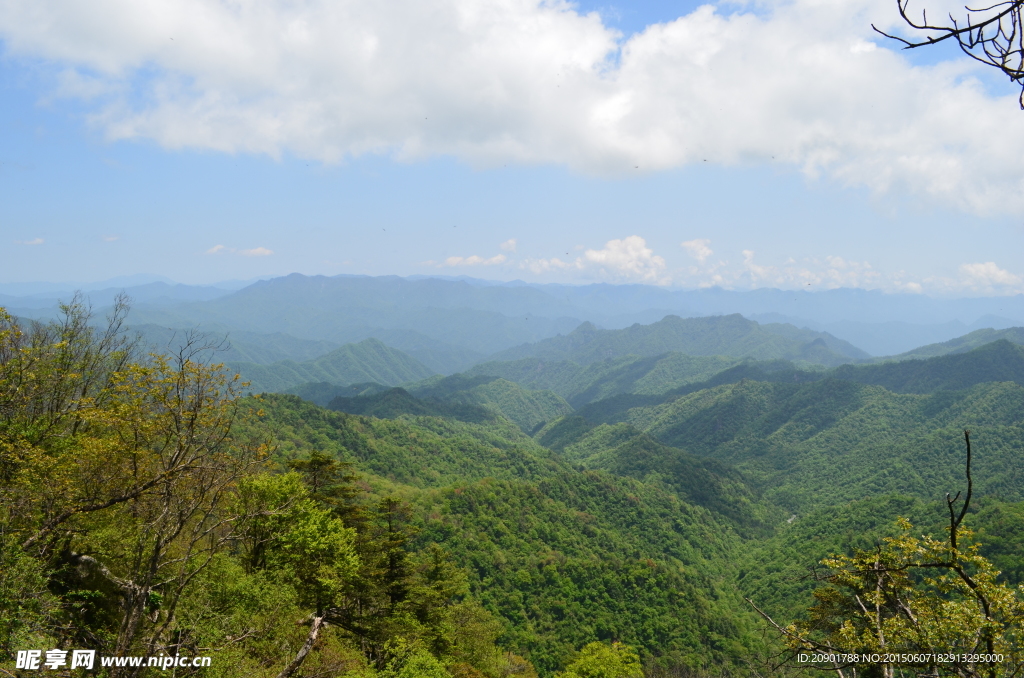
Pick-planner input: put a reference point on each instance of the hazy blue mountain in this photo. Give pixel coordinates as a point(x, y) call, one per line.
point(891, 337)
point(368, 361)
point(455, 322)
point(350, 308)
point(237, 346)
point(442, 357)
point(963, 344)
point(154, 293)
point(731, 335)
point(819, 307)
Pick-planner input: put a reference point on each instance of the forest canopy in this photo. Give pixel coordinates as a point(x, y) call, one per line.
point(152, 507)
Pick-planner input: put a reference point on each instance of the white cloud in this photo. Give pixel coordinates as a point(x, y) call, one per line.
point(625, 260)
point(980, 278)
point(698, 249)
point(831, 273)
point(629, 259)
point(217, 249)
point(989, 274)
point(256, 252)
point(111, 238)
point(533, 81)
point(509, 245)
point(33, 241)
point(474, 261)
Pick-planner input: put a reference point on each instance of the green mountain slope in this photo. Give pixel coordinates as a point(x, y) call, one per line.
point(367, 361)
point(418, 452)
point(471, 399)
point(832, 441)
point(527, 408)
point(997, 361)
point(323, 392)
point(585, 555)
point(582, 384)
point(730, 335)
point(396, 402)
point(624, 451)
point(562, 556)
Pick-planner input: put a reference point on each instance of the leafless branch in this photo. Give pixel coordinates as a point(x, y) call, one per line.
point(991, 35)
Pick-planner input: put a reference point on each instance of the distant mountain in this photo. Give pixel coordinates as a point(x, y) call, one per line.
point(154, 293)
point(368, 361)
point(730, 335)
point(474, 319)
point(962, 344)
point(440, 356)
point(237, 346)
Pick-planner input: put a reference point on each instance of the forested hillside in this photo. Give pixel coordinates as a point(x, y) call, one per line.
point(495, 525)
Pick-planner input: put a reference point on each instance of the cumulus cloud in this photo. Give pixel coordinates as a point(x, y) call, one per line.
point(217, 249)
point(980, 278)
point(625, 260)
point(989, 274)
point(800, 82)
point(33, 241)
point(628, 259)
point(698, 249)
point(509, 245)
point(474, 260)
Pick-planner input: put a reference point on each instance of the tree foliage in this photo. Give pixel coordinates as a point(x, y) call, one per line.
point(915, 603)
point(144, 514)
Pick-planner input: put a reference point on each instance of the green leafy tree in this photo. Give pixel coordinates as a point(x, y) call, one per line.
point(917, 604)
point(601, 660)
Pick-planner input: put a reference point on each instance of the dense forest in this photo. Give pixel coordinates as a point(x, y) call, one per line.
point(604, 505)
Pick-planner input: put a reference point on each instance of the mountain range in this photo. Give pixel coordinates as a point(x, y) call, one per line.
point(450, 324)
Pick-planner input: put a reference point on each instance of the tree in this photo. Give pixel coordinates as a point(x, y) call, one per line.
point(600, 660)
point(991, 34)
point(914, 603)
point(117, 475)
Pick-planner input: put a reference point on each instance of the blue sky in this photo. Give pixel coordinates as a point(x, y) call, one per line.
point(839, 164)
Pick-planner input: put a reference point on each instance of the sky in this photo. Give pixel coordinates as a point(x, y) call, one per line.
point(751, 144)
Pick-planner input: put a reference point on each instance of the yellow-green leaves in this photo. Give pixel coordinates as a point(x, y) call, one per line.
point(600, 660)
point(916, 602)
